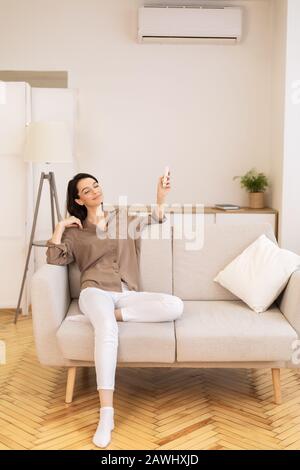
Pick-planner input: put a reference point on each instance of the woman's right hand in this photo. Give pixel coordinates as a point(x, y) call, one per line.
point(71, 222)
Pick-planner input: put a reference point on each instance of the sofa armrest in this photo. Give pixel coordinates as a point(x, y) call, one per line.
point(289, 301)
point(50, 299)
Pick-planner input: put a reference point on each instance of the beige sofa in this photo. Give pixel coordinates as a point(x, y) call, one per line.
point(215, 330)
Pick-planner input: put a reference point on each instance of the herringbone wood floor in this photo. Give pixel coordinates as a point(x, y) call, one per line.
point(154, 408)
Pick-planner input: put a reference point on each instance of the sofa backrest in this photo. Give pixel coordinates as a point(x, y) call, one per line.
point(194, 270)
point(190, 273)
point(155, 265)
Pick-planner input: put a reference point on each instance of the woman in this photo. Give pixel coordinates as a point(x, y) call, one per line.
point(109, 282)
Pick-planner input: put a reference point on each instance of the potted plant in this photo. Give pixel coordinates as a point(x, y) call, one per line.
point(255, 183)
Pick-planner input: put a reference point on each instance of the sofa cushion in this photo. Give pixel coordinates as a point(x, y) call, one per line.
point(138, 342)
point(194, 270)
point(230, 331)
point(155, 263)
point(260, 273)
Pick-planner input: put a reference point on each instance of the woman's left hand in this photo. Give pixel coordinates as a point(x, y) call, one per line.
point(162, 190)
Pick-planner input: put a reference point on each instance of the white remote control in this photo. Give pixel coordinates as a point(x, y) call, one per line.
point(165, 176)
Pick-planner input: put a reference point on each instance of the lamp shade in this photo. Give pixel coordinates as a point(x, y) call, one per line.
point(48, 141)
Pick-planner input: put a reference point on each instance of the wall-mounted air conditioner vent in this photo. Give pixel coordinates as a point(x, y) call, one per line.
point(189, 24)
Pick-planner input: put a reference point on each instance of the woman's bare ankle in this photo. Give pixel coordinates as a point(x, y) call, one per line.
point(118, 314)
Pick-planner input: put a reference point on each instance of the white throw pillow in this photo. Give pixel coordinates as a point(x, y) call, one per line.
point(259, 273)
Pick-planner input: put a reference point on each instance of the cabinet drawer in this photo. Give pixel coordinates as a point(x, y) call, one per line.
point(246, 219)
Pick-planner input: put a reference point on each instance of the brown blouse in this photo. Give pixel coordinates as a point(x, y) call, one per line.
point(104, 257)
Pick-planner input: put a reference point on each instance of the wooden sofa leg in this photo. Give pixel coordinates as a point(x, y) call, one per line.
point(276, 386)
point(70, 384)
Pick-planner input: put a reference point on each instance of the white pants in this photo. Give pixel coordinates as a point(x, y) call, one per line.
point(99, 306)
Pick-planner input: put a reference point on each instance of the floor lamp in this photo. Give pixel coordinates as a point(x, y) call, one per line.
point(45, 142)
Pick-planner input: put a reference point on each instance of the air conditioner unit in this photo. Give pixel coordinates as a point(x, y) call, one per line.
point(189, 24)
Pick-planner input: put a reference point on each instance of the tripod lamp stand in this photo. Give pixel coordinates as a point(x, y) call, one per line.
point(46, 142)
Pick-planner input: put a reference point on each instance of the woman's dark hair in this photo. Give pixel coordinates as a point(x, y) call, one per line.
point(72, 193)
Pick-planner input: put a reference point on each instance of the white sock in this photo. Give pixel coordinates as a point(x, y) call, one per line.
point(102, 435)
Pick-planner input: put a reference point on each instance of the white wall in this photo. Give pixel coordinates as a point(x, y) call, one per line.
point(291, 161)
point(277, 86)
point(204, 110)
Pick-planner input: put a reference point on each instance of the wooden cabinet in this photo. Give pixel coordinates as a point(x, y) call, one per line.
point(211, 215)
point(246, 218)
point(242, 216)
